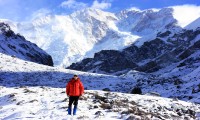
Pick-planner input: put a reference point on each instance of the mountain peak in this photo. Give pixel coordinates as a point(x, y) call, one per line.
point(152, 10)
point(94, 13)
point(147, 21)
point(4, 27)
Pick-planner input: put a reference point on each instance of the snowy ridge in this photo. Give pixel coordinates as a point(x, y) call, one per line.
point(44, 87)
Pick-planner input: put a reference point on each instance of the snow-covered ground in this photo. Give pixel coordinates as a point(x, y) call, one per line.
point(33, 91)
point(49, 103)
point(16, 73)
point(180, 82)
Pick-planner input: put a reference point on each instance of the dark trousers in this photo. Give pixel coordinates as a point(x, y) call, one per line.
point(73, 99)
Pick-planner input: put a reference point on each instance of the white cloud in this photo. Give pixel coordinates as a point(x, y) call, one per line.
point(139, 10)
point(186, 14)
point(73, 4)
point(101, 5)
point(40, 13)
point(155, 9)
point(134, 8)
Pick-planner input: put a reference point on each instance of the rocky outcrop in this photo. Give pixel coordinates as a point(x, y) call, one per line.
point(17, 46)
point(107, 61)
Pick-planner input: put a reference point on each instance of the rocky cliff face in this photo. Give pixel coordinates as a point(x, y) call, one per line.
point(167, 48)
point(17, 46)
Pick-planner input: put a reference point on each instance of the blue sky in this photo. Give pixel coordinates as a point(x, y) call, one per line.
point(22, 10)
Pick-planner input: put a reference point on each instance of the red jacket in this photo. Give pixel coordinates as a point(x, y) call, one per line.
point(74, 87)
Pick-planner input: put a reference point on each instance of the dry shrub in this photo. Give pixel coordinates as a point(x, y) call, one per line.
point(131, 110)
point(83, 117)
point(105, 106)
point(106, 89)
point(121, 103)
point(99, 97)
point(136, 90)
point(65, 100)
point(28, 91)
point(133, 117)
point(33, 101)
point(83, 98)
point(20, 102)
point(64, 107)
point(116, 109)
point(12, 95)
point(22, 87)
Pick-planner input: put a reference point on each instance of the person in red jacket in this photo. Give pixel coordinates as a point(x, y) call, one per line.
point(74, 89)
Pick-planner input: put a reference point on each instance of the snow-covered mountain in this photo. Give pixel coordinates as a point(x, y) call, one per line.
point(70, 38)
point(17, 46)
point(194, 25)
point(167, 48)
point(34, 91)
